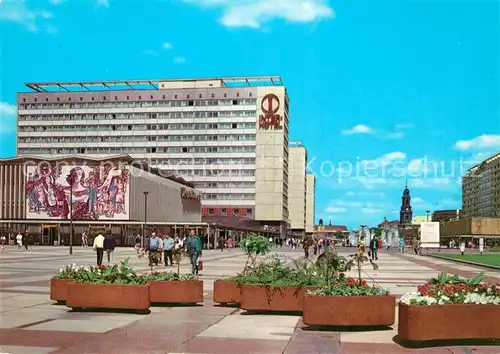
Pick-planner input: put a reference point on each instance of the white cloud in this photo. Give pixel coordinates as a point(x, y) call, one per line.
point(20, 13)
point(371, 210)
point(254, 14)
point(335, 209)
point(385, 160)
point(358, 129)
point(365, 194)
point(102, 3)
point(179, 60)
point(167, 45)
point(8, 117)
point(482, 141)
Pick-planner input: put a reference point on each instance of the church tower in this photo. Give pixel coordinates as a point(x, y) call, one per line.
point(406, 214)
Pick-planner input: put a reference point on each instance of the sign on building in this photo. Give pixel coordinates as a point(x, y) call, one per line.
point(429, 234)
point(270, 119)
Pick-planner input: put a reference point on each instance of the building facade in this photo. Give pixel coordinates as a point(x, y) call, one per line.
point(446, 215)
point(481, 189)
point(310, 202)
point(297, 188)
point(229, 136)
point(39, 194)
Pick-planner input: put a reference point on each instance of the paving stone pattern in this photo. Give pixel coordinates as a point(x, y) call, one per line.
point(31, 324)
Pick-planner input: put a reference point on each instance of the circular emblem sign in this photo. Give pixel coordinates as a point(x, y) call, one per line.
point(270, 104)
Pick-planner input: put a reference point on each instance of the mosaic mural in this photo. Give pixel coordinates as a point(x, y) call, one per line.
point(100, 192)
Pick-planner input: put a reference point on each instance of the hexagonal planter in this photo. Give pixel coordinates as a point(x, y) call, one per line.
point(227, 292)
point(58, 289)
point(176, 291)
point(349, 310)
point(265, 298)
point(448, 322)
point(110, 296)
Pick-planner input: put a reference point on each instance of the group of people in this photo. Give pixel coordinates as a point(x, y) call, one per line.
point(164, 248)
point(104, 244)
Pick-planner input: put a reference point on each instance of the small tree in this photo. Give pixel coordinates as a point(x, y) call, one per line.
point(357, 260)
point(253, 246)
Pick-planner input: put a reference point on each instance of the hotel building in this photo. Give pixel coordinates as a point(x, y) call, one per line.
point(481, 189)
point(228, 136)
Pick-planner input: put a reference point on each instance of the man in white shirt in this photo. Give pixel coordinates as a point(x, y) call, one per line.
point(99, 248)
point(19, 240)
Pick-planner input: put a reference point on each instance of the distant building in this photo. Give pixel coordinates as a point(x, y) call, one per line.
point(310, 202)
point(297, 187)
point(406, 213)
point(481, 189)
point(388, 223)
point(417, 220)
point(446, 215)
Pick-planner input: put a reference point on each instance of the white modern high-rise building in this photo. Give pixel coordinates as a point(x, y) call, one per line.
point(297, 193)
point(229, 136)
point(310, 202)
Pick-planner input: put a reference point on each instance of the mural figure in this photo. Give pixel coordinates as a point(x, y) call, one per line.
point(97, 192)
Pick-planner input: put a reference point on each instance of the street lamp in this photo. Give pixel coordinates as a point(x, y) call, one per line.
point(145, 216)
point(427, 212)
point(71, 180)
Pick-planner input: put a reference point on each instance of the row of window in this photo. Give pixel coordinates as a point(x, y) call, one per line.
point(234, 185)
point(226, 211)
point(137, 115)
point(136, 150)
point(232, 196)
point(134, 104)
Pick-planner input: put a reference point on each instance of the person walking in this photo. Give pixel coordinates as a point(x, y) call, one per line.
point(109, 246)
point(98, 247)
point(19, 241)
point(160, 248)
point(374, 248)
point(402, 245)
point(193, 246)
point(168, 244)
point(153, 249)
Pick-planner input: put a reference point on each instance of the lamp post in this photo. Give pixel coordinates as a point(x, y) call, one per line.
point(71, 181)
point(427, 212)
point(145, 216)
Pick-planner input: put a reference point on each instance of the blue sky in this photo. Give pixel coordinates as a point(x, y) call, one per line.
point(381, 92)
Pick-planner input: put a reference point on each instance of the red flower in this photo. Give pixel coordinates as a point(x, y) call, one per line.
point(350, 282)
point(102, 267)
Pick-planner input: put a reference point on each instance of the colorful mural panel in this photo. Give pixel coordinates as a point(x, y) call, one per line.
point(98, 193)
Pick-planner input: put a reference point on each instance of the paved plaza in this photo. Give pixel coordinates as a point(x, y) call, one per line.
point(32, 324)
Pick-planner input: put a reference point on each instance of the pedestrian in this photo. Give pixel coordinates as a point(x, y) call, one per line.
point(168, 244)
point(414, 245)
point(193, 246)
point(229, 244)
point(19, 240)
point(402, 245)
point(98, 247)
point(307, 244)
point(85, 241)
point(374, 248)
point(3, 239)
point(109, 246)
point(160, 248)
point(153, 249)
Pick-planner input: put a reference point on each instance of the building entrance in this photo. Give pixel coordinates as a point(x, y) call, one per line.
point(49, 234)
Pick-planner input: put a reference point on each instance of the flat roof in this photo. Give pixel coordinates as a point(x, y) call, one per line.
point(75, 86)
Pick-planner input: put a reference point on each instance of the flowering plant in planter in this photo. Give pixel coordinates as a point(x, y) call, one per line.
point(71, 271)
point(450, 289)
point(349, 287)
point(110, 274)
point(169, 276)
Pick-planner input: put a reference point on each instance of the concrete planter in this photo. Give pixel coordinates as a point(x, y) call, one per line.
point(264, 298)
point(227, 292)
point(110, 296)
point(176, 291)
point(58, 289)
point(448, 322)
point(349, 310)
